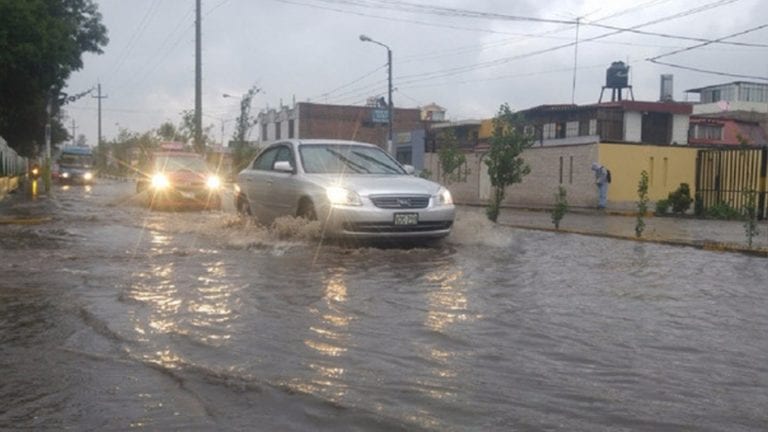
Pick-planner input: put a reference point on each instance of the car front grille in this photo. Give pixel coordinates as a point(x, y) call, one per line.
point(379, 227)
point(400, 202)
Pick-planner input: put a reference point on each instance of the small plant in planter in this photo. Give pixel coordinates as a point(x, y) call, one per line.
point(561, 207)
point(750, 216)
point(642, 203)
point(662, 207)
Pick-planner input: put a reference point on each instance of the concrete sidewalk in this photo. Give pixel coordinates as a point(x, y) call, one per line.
point(683, 231)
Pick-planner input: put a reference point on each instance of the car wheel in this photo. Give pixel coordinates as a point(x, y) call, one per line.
point(307, 210)
point(214, 203)
point(242, 205)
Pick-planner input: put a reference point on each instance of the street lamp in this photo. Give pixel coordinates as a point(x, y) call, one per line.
point(365, 38)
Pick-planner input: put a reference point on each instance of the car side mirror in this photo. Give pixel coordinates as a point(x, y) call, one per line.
point(409, 169)
point(283, 166)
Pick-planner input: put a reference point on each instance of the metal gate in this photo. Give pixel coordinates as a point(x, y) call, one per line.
point(724, 175)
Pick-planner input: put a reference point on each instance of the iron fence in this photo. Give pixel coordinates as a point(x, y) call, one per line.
point(725, 176)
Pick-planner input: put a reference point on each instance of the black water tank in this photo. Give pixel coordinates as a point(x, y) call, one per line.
point(617, 76)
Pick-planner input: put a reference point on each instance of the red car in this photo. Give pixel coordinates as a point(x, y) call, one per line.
point(180, 179)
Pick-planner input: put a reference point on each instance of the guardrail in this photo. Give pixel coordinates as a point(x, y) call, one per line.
point(12, 168)
point(11, 164)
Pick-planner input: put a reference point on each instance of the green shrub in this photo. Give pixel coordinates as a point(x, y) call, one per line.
point(680, 200)
point(662, 207)
point(723, 211)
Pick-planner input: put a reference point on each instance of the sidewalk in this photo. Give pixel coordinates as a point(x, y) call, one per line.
point(700, 233)
point(20, 208)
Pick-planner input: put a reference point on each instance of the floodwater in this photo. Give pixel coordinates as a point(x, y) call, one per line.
point(113, 317)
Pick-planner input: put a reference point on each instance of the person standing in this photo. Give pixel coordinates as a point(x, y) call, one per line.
point(601, 180)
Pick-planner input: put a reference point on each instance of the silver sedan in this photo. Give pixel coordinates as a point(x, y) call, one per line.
point(355, 190)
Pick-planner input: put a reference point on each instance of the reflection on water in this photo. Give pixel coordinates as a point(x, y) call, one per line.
point(447, 303)
point(508, 330)
point(329, 338)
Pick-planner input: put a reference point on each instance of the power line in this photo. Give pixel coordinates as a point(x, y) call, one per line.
point(693, 47)
point(140, 28)
point(466, 13)
point(504, 60)
point(709, 71)
point(355, 81)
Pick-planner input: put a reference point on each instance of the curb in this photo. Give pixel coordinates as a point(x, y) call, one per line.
point(26, 221)
point(709, 246)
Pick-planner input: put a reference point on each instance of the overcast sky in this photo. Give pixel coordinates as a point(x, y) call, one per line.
point(310, 50)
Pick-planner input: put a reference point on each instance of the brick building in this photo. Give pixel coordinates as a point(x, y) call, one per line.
point(310, 120)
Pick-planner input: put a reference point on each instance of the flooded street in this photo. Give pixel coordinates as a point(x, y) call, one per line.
point(113, 317)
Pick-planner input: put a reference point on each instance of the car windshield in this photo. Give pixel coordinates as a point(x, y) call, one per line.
point(343, 158)
point(180, 163)
point(75, 160)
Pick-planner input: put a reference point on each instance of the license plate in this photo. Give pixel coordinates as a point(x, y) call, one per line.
point(188, 195)
point(406, 218)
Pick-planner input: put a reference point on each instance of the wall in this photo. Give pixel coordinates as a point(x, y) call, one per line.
point(667, 167)
point(723, 106)
point(538, 188)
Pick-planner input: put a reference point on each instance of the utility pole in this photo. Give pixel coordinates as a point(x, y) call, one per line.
point(575, 61)
point(198, 84)
point(98, 138)
point(74, 132)
point(391, 119)
point(99, 97)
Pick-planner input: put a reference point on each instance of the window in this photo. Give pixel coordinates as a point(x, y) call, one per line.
point(264, 136)
point(561, 170)
point(278, 126)
point(404, 156)
point(284, 155)
point(560, 130)
point(709, 131)
point(584, 127)
point(266, 160)
point(291, 127)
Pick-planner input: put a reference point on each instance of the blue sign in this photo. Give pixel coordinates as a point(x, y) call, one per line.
point(379, 115)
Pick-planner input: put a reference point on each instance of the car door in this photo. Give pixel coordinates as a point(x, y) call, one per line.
point(254, 183)
point(282, 187)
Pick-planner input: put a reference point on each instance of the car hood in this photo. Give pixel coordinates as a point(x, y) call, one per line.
point(366, 185)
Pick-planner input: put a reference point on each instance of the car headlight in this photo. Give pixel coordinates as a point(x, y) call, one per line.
point(213, 182)
point(88, 175)
point(35, 171)
point(340, 196)
point(65, 175)
point(160, 181)
point(444, 197)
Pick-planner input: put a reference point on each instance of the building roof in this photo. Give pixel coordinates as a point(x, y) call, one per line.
point(457, 123)
point(626, 105)
point(701, 89)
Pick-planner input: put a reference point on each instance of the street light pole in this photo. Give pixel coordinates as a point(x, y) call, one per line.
point(390, 120)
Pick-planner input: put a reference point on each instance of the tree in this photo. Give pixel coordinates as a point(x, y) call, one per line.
point(505, 166)
point(187, 129)
point(168, 132)
point(451, 157)
point(243, 152)
point(81, 141)
point(41, 44)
